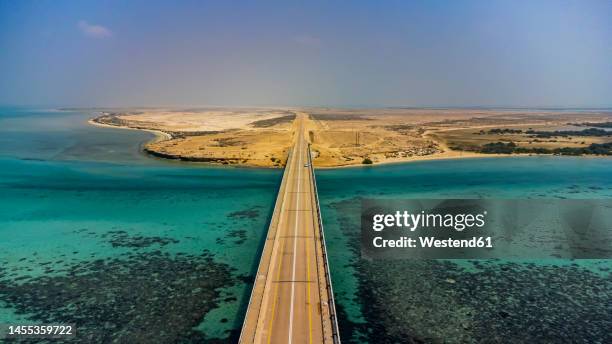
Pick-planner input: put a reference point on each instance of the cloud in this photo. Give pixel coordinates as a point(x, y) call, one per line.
point(307, 41)
point(92, 30)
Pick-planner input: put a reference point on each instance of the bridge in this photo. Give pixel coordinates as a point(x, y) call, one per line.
point(292, 299)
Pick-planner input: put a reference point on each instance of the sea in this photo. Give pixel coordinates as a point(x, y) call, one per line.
point(133, 248)
point(466, 301)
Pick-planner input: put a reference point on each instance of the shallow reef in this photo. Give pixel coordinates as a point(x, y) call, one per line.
point(140, 297)
point(480, 301)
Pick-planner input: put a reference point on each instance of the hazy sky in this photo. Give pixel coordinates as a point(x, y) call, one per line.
point(377, 53)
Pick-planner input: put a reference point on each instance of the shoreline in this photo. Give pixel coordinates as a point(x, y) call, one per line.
point(476, 156)
point(452, 155)
point(423, 158)
point(163, 136)
point(159, 135)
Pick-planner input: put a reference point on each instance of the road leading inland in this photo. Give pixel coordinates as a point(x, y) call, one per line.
point(291, 301)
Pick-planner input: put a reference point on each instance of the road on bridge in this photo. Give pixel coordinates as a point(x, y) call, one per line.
point(291, 295)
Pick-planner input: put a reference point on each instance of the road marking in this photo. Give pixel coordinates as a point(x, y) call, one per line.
point(292, 281)
point(275, 296)
point(295, 229)
point(308, 279)
point(278, 228)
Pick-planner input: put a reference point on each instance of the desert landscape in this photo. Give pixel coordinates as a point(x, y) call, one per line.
point(261, 137)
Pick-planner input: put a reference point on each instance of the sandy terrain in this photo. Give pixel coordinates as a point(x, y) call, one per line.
point(250, 137)
point(191, 121)
point(346, 137)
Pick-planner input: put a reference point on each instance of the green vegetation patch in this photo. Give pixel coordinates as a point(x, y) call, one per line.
point(592, 124)
point(511, 147)
point(338, 117)
point(266, 123)
point(566, 133)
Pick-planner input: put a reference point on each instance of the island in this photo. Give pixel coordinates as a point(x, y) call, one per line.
point(262, 137)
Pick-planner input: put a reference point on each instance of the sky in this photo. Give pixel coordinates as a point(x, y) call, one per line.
point(316, 53)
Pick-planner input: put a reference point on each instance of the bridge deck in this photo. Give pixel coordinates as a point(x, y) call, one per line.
point(291, 301)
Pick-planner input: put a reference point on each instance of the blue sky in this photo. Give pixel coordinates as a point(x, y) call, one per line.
point(336, 53)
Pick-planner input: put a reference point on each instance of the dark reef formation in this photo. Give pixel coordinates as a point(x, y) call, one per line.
point(143, 296)
point(250, 213)
point(123, 239)
point(434, 301)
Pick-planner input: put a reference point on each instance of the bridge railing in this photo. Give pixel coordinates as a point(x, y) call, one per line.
point(275, 213)
point(330, 290)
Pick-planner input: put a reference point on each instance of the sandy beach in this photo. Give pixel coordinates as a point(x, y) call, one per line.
point(261, 137)
point(159, 135)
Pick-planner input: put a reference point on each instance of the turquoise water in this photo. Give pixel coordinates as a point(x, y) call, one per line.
point(95, 232)
point(63, 135)
point(458, 300)
point(90, 234)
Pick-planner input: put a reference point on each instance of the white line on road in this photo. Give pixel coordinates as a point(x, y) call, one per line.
point(295, 231)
